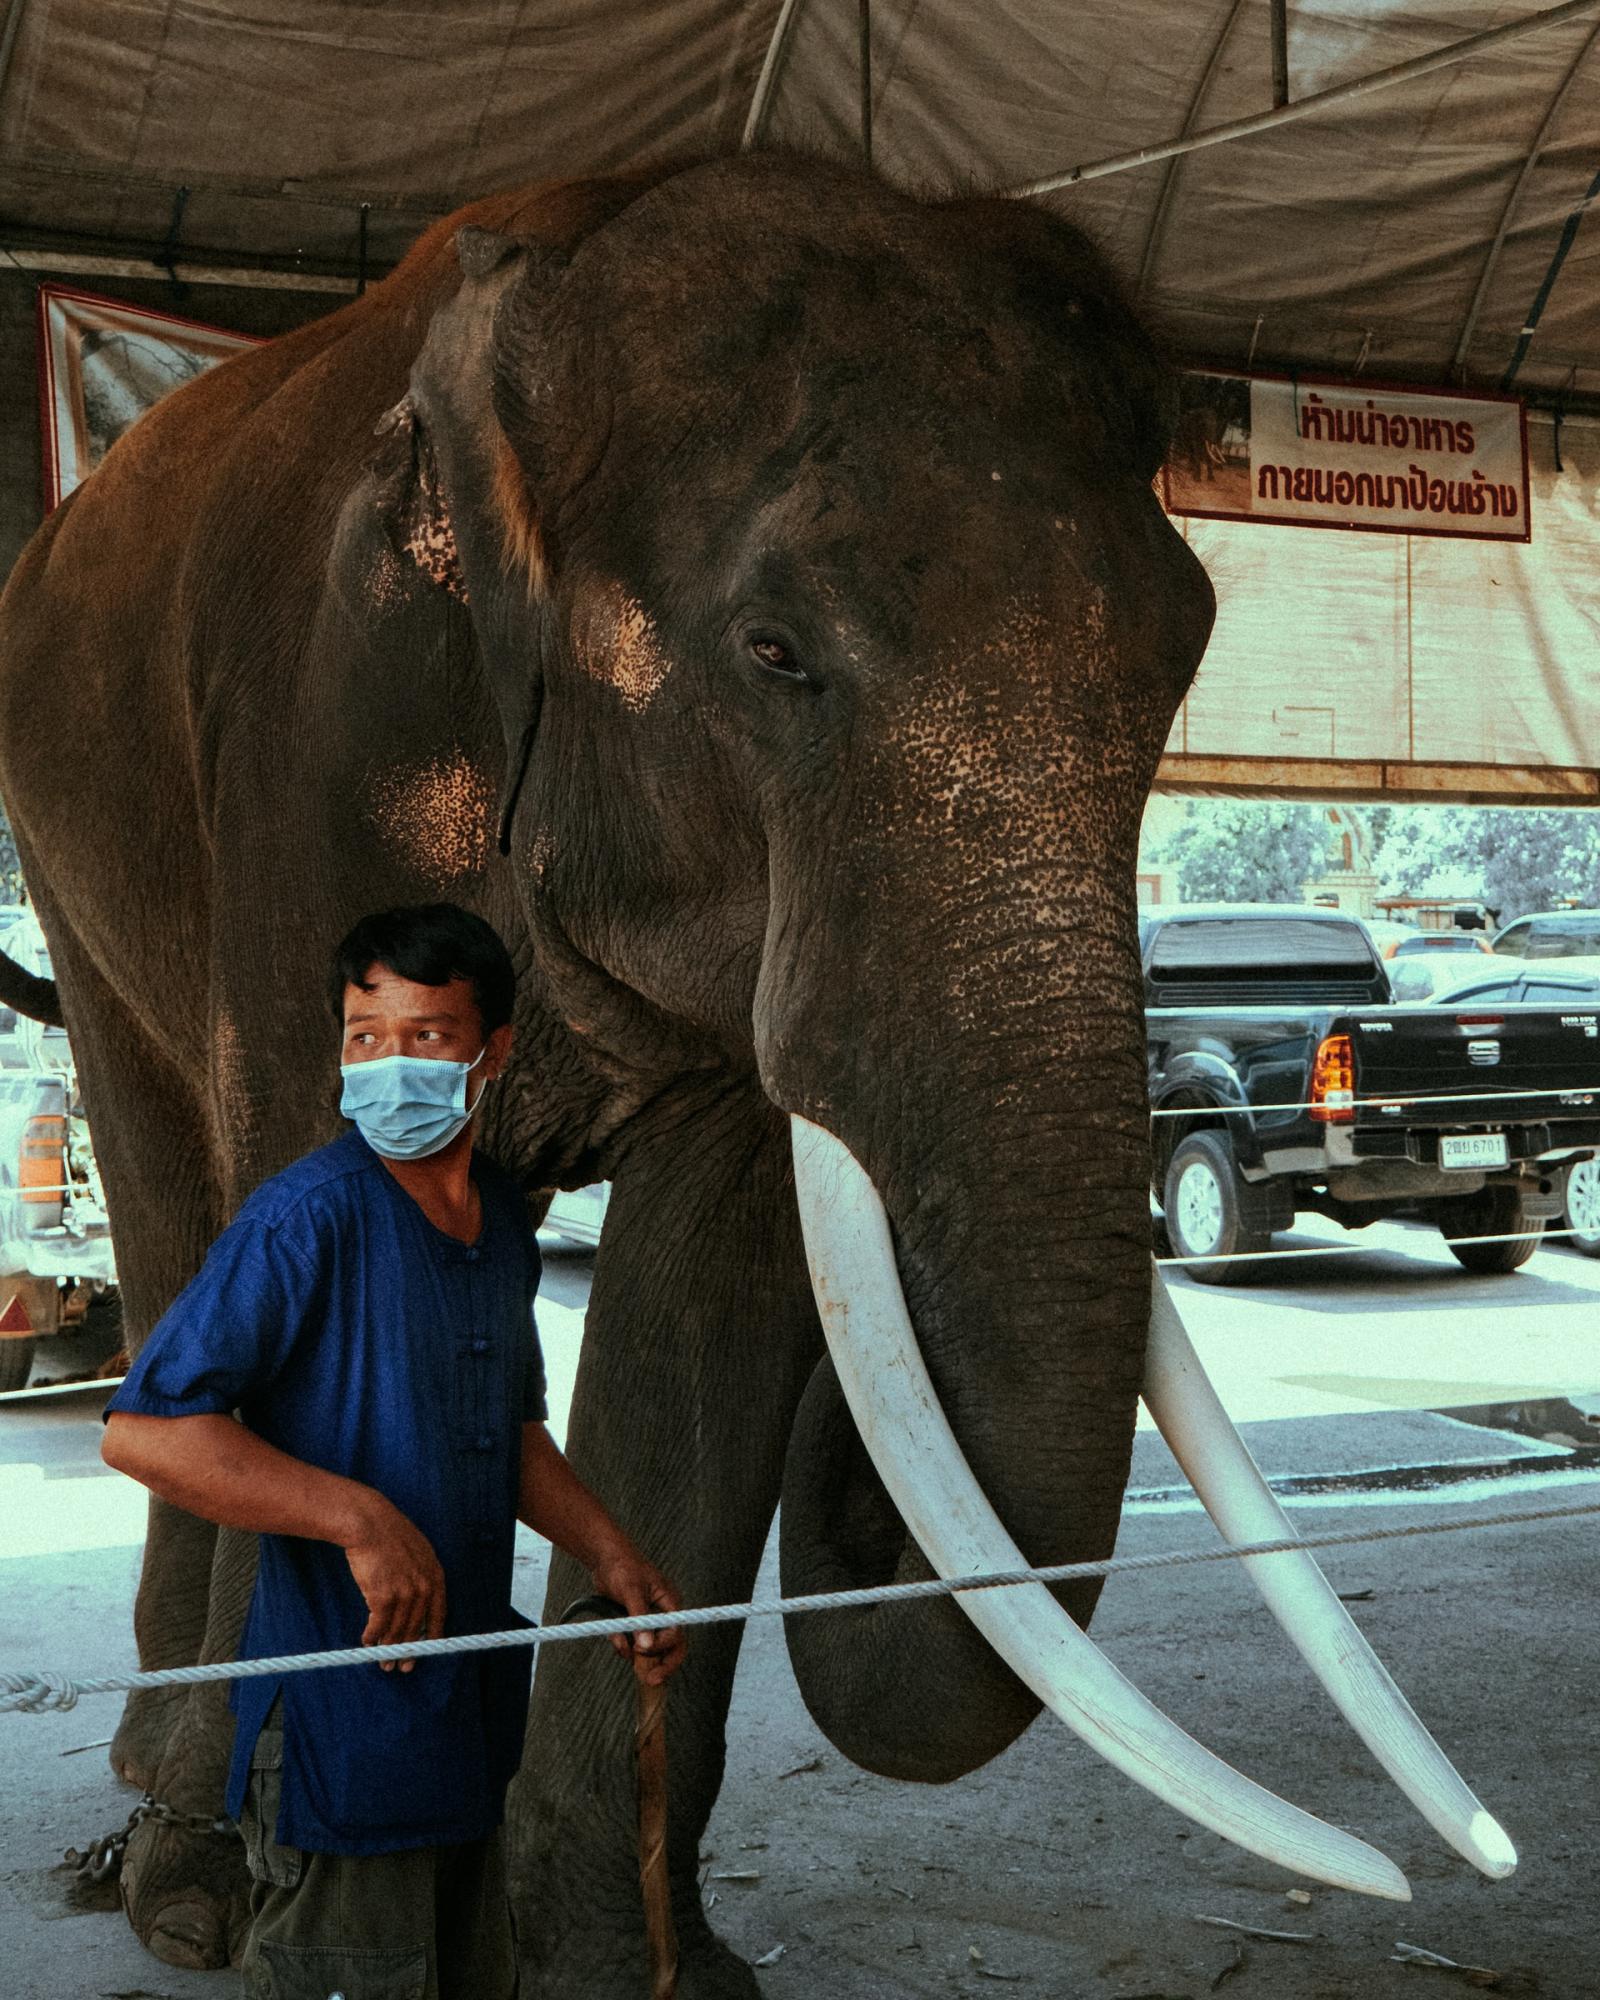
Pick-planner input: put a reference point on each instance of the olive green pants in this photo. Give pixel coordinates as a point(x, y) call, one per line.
point(428, 1923)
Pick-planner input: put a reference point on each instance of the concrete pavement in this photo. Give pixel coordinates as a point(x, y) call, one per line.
point(1047, 1870)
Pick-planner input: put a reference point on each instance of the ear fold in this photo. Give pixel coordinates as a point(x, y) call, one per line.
point(412, 512)
point(516, 771)
point(481, 252)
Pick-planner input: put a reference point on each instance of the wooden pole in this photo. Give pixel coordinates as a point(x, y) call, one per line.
point(650, 1763)
point(654, 1883)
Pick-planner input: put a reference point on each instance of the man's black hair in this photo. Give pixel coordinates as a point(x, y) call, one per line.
point(431, 943)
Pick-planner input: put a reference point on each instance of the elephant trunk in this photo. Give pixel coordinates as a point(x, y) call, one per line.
point(1024, 1265)
point(971, 1167)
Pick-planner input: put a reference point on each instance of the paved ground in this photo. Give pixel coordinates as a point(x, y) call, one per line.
point(1047, 1871)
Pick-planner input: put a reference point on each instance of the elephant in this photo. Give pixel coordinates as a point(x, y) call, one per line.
point(741, 582)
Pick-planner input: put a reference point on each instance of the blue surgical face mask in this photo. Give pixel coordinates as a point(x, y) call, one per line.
point(409, 1107)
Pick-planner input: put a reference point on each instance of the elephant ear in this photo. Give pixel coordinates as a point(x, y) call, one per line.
point(513, 254)
point(451, 495)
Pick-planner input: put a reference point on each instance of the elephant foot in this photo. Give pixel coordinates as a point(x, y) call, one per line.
point(187, 1895)
point(141, 1739)
point(587, 1968)
point(715, 1973)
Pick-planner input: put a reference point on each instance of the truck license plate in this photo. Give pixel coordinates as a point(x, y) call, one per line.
point(1473, 1149)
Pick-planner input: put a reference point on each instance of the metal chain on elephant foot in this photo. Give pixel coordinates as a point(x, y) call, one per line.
point(101, 1861)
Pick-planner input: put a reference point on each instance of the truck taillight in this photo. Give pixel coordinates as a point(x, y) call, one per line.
point(1333, 1081)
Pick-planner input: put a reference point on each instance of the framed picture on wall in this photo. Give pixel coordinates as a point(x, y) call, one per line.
point(102, 364)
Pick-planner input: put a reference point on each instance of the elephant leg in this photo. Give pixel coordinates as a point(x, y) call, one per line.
point(149, 1132)
point(700, 1337)
point(186, 1893)
point(169, 1623)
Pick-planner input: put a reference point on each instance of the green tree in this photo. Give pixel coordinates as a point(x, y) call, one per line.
point(1248, 850)
point(1521, 858)
point(1515, 858)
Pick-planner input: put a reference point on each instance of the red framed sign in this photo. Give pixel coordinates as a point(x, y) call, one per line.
point(101, 365)
point(1312, 451)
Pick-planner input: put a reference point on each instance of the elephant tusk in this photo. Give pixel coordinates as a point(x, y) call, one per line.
point(1218, 1465)
point(886, 1383)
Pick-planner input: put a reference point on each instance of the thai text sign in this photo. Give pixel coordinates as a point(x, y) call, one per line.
point(1325, 454)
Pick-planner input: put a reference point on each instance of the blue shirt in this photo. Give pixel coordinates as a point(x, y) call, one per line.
point(352, 1334)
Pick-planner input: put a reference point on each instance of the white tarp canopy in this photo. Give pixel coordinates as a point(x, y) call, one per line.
point(1415, 232)
point(1359, 234)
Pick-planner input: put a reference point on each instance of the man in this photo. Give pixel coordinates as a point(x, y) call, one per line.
point(369, 1313)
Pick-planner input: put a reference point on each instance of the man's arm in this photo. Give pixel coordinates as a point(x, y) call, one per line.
point(216, 1468)
point(554, 1502)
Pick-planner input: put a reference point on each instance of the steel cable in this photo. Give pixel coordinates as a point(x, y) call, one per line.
point(35, 1692)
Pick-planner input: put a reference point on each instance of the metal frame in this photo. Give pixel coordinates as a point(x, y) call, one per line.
point(1541, 298)
point(32, 262)
point(865, 11)
point(1280, 52)
point(1169, 180)
point(755, 124)
point(1306, 107)
point(8, 40)
point(1513, 200)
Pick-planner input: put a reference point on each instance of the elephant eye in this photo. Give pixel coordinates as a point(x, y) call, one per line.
point(776, 657)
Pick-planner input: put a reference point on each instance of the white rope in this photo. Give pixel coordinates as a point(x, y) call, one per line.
point(1400, 1100)
point(33, 1692)
point(1356, 1249)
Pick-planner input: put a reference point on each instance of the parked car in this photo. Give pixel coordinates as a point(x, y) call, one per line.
point(57, 1270)
point(1420, 963)
point(1436, 941)
point(1522, 982)
point(1569, 983)
point(1550, 934)
point(1285, 1080)
point(1422, 977)
point(577, 1215)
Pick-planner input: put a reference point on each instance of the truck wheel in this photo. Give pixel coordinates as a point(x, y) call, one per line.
point(1581, 1201)
point(16, 1363)
point(1208, 1207)
point(1492, 1211)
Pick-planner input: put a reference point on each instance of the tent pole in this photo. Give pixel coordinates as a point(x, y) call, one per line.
point(1469, 326)
point(1530, 325)
point(1304, 107)
point(8, 40)
point(755, 124)
point(33, 262)
point(1169, 180)
point(1280, 52)
point(866, 80)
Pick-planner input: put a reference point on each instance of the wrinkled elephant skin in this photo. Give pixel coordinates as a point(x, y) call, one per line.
point(783, 548)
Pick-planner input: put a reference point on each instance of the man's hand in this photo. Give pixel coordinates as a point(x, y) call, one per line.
point(641, 1588)
point(223, 1472)
point(398, 1574)
point(554, 1501)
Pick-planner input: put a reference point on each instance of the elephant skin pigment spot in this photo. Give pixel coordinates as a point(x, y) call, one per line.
point(431, 543)
point(438, 817)
point(621, 648)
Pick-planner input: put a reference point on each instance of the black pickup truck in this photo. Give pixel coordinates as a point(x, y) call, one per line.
point(1283, 1080)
